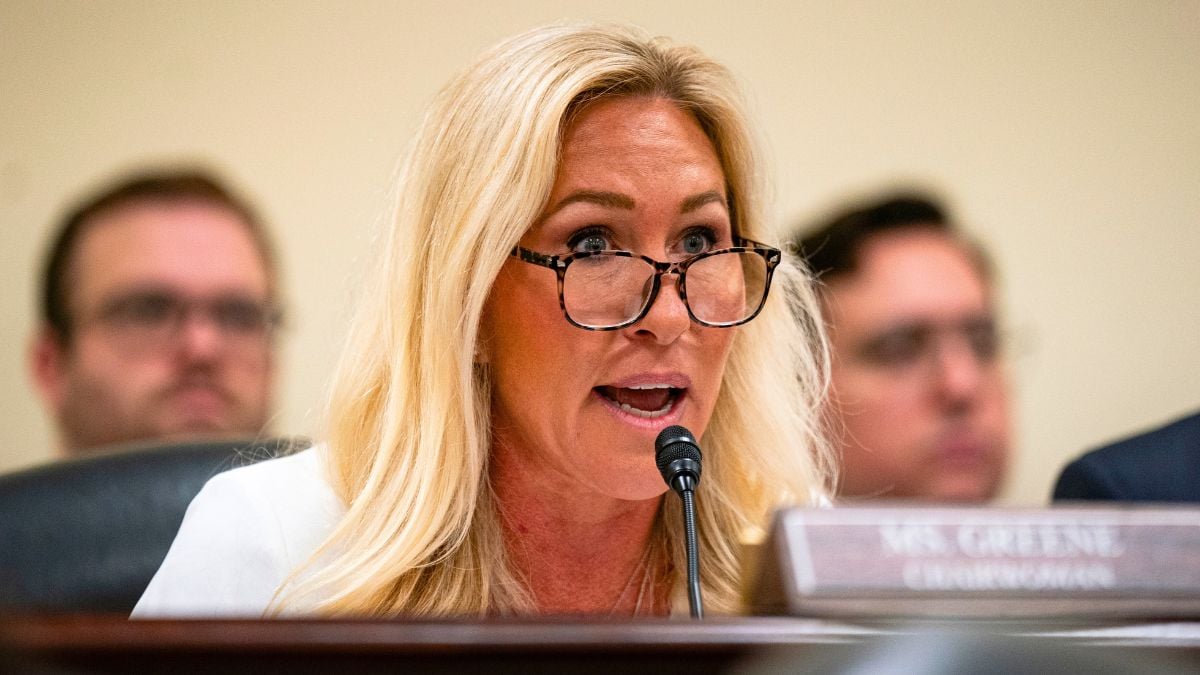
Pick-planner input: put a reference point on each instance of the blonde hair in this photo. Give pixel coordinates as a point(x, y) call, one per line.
point(408, 419)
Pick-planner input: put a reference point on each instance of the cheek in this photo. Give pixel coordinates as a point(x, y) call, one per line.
point(513, 308)
point(514, 315)
point(995, 391)
point(715, 346)
point(253, 365)
point(108, 384)
point(533, 353)
point(97, 360)
point(249, 379)
point(871, 408)
point(996, 409)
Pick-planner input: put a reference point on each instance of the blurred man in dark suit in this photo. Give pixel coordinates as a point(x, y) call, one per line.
point(158, 306)
point(1162, 465)
point(920, 398)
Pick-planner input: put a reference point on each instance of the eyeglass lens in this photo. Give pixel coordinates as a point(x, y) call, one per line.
point(905, 346)
point(608, 290)
point(147, 318)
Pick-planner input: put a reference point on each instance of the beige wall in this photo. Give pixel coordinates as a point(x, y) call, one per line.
point(1066, 134)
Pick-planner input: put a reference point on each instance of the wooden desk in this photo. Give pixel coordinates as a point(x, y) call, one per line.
point(98, 644)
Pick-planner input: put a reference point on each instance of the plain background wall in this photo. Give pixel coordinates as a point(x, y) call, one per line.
point(1066, 135)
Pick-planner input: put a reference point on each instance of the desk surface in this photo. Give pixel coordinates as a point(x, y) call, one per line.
point(99, 644)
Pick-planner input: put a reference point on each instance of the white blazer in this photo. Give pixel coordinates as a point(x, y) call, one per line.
point(242, 535)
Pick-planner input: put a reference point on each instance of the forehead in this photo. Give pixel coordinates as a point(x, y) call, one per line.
point(908, 276)
point(188, 247)
point(639, 134)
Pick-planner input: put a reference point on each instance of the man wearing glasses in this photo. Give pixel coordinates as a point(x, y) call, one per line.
point(158, 306)
point(919, 403)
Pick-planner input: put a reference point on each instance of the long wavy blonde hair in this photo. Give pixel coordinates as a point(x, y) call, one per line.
point(409, 420)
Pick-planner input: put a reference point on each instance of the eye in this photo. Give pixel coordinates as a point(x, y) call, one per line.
point(896, 348)
point(984, 339)
point(590, 240)
point(143, 309)
point(241, 315)
point(696, 241)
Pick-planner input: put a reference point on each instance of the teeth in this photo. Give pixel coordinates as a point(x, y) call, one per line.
point(648, 414)
point(650, 386)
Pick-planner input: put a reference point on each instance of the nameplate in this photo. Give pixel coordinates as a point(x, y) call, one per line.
point(1115, 562)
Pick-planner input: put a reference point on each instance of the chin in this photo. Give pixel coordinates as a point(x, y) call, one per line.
point(633, 476)
point(966, 492)
point(199, 427)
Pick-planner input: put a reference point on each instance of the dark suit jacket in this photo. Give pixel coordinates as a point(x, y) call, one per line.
point(1162, 465)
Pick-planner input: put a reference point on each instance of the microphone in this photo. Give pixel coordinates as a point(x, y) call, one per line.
point(678, 457)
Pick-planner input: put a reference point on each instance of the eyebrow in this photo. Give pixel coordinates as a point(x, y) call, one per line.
point(616, 200)
point(694, 202)
point(611, 200)
point(970, 321)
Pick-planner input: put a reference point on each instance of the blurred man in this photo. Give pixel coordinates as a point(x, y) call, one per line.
point(158, 305)
point(1159, 465)
point(919, 403)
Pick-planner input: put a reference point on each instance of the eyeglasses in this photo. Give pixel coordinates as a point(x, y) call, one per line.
point(155, 319)
point(911, 347)
point(607, 290)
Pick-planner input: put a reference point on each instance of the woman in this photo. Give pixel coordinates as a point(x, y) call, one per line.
point(490, 447)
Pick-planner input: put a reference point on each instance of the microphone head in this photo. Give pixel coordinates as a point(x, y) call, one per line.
point(677, 453)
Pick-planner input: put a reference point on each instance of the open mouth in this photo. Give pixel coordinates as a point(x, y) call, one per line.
point(646, 401)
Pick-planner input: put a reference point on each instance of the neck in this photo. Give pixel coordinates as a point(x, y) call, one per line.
point(579, 551)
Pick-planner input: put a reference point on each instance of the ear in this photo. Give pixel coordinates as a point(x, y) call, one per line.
point(48, 366)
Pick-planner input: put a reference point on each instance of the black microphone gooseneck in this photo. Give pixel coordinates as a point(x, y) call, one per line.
point(678, 457)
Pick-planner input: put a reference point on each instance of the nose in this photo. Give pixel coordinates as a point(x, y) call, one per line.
point(200, 338)
point(959, 372)
point(667, 317)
